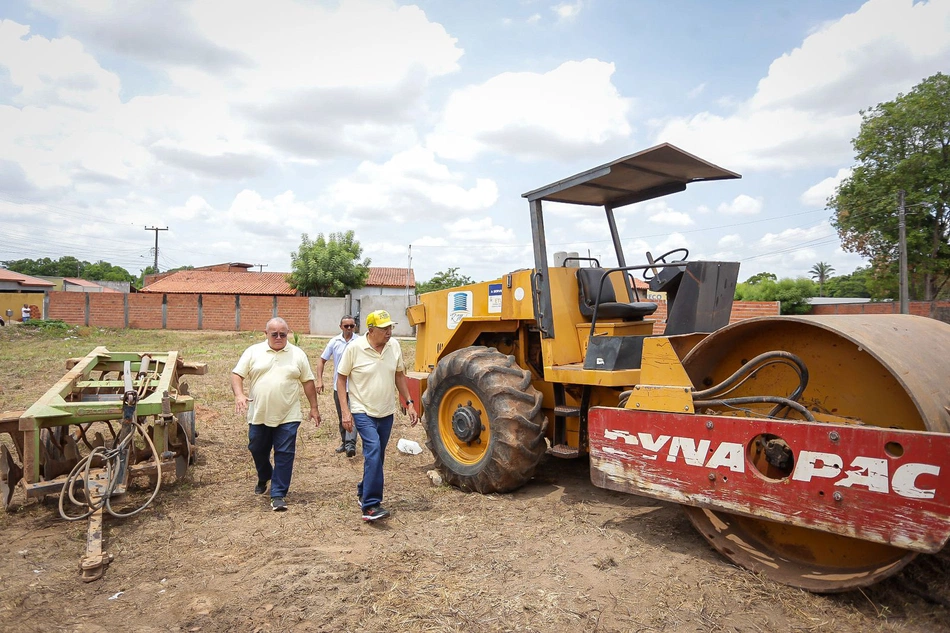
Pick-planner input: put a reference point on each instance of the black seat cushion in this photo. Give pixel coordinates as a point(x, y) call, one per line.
point(588, 280)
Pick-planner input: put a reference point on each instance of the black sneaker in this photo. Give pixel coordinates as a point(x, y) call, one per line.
point(260, 488)
point(375, 513)
point(277, 504)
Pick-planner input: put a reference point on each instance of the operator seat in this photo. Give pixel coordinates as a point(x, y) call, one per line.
point(588, 280)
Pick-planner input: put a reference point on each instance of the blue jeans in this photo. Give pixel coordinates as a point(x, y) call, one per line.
point(282, 440)
point(375, 434)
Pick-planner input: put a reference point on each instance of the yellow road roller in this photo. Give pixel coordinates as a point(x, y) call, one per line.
point(814, 450)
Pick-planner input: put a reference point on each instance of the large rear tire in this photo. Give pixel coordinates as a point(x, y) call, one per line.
point(484, 421)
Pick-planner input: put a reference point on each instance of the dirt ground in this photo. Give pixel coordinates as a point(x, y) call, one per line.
point(558, 554)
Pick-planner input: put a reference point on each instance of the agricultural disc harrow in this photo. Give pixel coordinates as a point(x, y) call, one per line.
point(113, 420)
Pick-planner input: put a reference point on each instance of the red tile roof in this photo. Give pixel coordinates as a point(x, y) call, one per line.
point(211, 282)
point(390, 277)
point(24, 280)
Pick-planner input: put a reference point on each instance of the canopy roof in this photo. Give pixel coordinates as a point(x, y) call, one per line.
point(651, 173)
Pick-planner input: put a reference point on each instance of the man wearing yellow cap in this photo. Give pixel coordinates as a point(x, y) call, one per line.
point(372, 368)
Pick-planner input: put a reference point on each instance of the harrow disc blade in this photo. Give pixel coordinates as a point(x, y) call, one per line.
point(10, 476)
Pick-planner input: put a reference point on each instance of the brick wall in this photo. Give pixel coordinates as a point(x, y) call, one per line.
point(145, 311)
point(106, 309)
point(217, 312)
point(181, 311)
point(919, 308)
point(67, 306)
point(256, 312)
point(741, 310)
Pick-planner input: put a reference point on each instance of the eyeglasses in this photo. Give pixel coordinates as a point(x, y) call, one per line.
point(349, 327)
point(278, 334)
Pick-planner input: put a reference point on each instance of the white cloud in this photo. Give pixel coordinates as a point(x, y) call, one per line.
point(561, 113)
point(247, 86)
point(741, 205)
point(56, 72)
point(671, 218)
point(568, 10)
point(817, 195)
point(194, 208)
point(805, 110)
point(534, 18)
point(412, 185)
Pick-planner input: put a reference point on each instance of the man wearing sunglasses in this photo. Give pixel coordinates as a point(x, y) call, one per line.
point(277, 372)
point(334, 350)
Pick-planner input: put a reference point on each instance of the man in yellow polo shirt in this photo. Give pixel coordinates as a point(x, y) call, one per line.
point(276, 371)
point(374, 366)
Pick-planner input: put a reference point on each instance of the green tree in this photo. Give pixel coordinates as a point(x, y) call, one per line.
point(821, 272)
point(328, 267)
point(760, 277)
point(792, 293)
point(848, 286)
point(903, 145)
point(443, 280)
point(69, 266)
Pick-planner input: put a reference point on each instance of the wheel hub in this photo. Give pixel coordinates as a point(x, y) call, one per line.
point(467, 423)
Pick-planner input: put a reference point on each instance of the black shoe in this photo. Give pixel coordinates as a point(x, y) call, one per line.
point(375, 513)
point(277, 504)
point(350, 450)
point(260, 488)
point(340, 448)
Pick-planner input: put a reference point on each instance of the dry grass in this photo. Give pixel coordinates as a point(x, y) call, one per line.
point(557, 555)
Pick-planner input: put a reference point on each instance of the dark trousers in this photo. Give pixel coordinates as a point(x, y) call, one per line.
point(282, 440)
point(347, 439)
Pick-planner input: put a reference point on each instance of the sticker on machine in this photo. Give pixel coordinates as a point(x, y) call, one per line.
point(494, 298)
point(459, 307)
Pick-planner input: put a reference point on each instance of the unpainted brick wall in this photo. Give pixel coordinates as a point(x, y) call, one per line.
point(145, 311)
point(919, 308)
point(741, 310)
point(67, 306)
point(218, 312)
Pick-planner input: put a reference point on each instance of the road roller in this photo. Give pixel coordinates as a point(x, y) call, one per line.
point(814, 450)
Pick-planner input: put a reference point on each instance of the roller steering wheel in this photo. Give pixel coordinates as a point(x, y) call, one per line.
point(650, 273)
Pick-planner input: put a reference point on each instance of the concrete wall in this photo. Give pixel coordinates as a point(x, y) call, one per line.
point(325, 314)
point(395, 305)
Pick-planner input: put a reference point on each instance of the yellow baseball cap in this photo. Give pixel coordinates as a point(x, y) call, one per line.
point(379, 318)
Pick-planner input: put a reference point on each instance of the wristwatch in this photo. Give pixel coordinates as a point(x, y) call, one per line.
point(408, 402)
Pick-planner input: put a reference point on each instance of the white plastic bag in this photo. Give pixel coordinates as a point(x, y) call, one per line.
point(408, 447)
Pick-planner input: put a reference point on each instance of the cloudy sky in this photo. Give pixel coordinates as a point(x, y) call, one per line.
point(240, 125)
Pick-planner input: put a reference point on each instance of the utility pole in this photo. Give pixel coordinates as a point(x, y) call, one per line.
point(408, 272)
point(156, 229)
point(261, 266)
point(902, 238)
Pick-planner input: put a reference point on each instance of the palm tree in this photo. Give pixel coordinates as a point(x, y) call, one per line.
point(821, 272)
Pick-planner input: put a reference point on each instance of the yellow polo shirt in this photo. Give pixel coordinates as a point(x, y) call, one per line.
point(372, 376)
point(274, 382)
